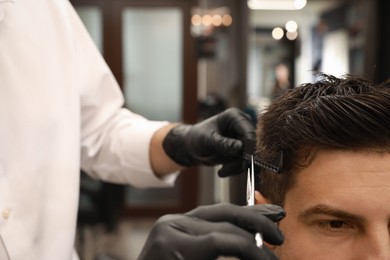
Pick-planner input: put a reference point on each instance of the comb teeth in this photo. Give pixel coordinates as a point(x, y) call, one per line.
point(265, 165)
point(250, 149)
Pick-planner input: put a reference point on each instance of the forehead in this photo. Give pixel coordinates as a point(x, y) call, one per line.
point(343, 179)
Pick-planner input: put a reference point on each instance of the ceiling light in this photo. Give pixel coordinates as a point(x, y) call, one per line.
point(276, 4)
point(291, 26)
point(299, 4)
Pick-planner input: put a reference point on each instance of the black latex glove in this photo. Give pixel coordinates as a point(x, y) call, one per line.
point(212, 231)
point(216, 140)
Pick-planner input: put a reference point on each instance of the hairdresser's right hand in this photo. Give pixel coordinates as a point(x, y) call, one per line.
point(217, 230)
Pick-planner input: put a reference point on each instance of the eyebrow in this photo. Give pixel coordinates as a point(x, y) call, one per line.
point(322, 209)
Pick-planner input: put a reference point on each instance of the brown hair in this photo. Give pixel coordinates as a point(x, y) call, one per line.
point(349, 113)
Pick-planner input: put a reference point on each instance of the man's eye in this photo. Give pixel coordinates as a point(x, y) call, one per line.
point(335, 225)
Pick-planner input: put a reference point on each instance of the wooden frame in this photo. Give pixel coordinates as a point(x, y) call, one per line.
point(112, 49)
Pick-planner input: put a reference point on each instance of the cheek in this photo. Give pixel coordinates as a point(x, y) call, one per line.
point(299, 243)
point(302, 243)
point(295, 246)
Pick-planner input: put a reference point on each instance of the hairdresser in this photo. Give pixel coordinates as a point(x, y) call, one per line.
point(61, 109)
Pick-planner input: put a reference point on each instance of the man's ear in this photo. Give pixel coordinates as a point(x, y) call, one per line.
point(260, 199)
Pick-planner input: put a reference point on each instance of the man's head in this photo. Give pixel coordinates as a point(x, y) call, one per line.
point(334, 136)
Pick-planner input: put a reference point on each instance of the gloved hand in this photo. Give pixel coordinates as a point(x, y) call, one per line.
point(211, 231)
point(216, 140)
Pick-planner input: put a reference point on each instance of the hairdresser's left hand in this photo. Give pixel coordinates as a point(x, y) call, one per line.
point(217, 140)
point(216, 230)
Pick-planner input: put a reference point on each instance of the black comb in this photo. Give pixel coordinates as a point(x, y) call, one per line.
point(250, 149)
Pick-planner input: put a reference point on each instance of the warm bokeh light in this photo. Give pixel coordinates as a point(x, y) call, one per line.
point(196, 20)
point(227, 20)
point(217, 20)
point(277, 33)
point(207, 20)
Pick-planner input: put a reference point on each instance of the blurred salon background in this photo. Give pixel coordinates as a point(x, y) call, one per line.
point(186, 60)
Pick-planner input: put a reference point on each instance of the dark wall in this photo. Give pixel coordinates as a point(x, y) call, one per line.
point(383, 40)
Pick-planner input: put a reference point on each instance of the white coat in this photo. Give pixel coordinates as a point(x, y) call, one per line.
point(60, 109)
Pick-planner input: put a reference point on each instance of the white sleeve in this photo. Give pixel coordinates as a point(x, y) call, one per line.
point(114, 141)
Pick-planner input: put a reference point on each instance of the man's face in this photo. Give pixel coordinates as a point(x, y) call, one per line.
point(339, 209)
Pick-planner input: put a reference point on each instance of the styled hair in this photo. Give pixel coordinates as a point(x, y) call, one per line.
point(348, 113)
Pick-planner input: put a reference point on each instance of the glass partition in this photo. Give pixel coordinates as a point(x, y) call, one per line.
point(152, 64)
point(152, 48)
point(93, 21)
